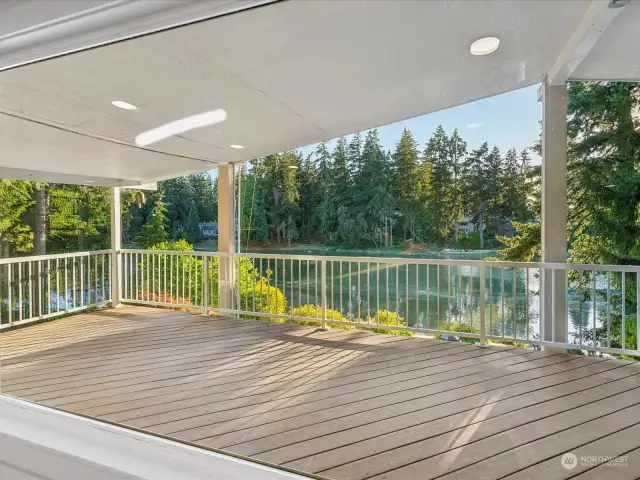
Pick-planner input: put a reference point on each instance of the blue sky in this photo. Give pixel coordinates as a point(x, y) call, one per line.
point(508, 120)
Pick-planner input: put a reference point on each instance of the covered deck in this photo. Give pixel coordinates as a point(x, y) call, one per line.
point(338, 404)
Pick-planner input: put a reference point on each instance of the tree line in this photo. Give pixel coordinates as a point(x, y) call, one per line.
point(38, 218)
point(359, 195)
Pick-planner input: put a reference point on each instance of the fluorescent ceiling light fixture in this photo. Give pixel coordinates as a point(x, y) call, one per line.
point(485, 46)
point(236, 146)
point(180, 126)
point(89, 181)
point(123, 105)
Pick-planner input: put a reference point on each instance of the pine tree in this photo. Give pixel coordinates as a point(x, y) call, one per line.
point(457, 154)
point(440, 193)
point(153, 231)
point(407, 182)
point(323, 181)
point(476, 185)
point(192, 231)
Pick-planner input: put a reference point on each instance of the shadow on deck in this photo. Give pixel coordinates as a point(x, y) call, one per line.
point(346, 405)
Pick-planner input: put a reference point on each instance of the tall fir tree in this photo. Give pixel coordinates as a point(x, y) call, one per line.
point(457, 155)
point(153, 231)
point(192, 231)
point(407, 183)
point(440, 193)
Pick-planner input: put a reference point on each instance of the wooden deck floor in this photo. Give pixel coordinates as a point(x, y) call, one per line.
point(346, 405)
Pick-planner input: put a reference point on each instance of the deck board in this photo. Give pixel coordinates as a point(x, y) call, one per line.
point(343, 404)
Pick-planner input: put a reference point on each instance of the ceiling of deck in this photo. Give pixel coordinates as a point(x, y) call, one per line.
point(288, 74)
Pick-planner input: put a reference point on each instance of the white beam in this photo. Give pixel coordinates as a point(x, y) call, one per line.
point(554, 211)
point(594, 23)
point(116, 246)
point(65, 31)
point(56, 177)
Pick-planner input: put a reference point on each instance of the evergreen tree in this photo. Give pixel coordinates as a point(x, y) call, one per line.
point(457, 154)
point(407, 183)
point(153, 231)
point(440, 194)
point(15, 201)
point(201, 186)
point(192, 231)
point(323, 190)
point(476, 184)
point(495, 192)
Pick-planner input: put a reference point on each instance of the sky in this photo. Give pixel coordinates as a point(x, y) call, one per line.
point(509, 120)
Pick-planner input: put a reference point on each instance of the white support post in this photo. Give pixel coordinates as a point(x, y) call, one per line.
point(116, 246)
point(554, 211)
point(226, 234)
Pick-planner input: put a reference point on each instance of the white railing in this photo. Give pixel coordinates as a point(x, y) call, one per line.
point(499, 301)
point(40, 287)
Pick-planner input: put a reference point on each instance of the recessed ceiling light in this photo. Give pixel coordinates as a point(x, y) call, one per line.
point(180, 126)
point(123, 105)
point(236, 146)
point(89, 181)
point(485, 46)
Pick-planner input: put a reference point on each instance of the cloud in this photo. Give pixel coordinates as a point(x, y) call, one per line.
point(474, 125)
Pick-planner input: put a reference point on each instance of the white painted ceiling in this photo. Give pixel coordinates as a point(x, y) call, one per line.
point(288, 74)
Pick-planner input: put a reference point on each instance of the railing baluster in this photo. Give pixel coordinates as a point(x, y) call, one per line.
point(438, 298)
point(458, 293)
point(308, 281)
point(300, 283)
point(20, 305)
point(491, 301)
point(502, 299)
point(57, 286)
point(515, 304)
point(397, 293)
point(205, 283)
point(323, 279)
point(406, 293)
point(638, 310)
point(293, 303)
point(40, 293)
point(609, 309)
point(30, 290)
point(448, 289)
point(580, 313)
point(387, 305)
point(428, 288)
point(594, 309)
point(10, 299)
point(102, 278)
point(526, 302)
point(73, 283)
point(553, 306)
point(482, 306)
point(359, 314)
point(350, 295)
point(623, 302)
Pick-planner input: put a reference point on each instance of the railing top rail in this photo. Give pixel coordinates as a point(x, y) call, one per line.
point(35, 258)
point(404, 260)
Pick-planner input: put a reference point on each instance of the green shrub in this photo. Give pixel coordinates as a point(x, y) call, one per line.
point(387, 317)
point(184, 275)
point(315, 311)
